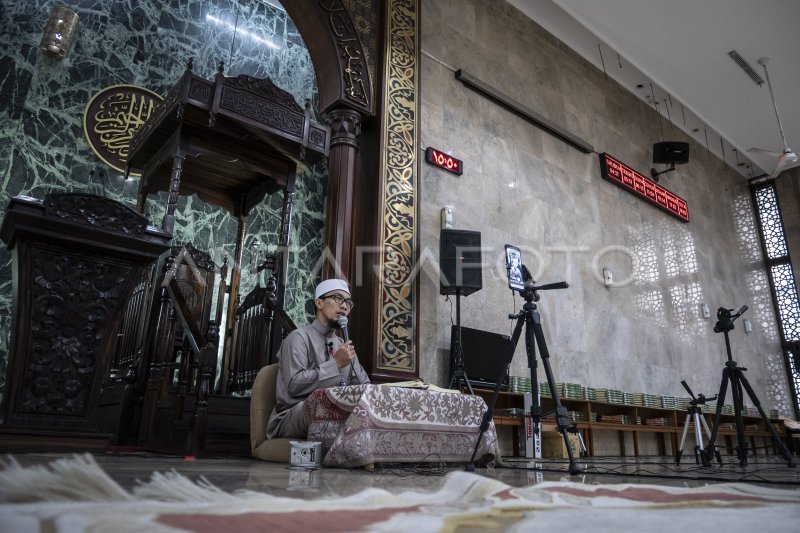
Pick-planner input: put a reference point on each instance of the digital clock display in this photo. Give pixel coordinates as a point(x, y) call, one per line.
point(444, 161)
point(646, 189)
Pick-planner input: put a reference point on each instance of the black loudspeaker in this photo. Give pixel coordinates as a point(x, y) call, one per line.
point(460, 261)
point(671, 152)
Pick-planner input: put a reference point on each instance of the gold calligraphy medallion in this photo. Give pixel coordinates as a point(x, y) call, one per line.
point(112, 117)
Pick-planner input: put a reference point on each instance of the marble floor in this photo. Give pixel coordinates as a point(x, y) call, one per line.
point(234, 473)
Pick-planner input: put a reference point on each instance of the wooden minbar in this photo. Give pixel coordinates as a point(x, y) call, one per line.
point(231, 141)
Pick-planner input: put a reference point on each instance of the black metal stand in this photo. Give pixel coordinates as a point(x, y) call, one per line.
point(534, 336)
point(458, 375)
point(739, 384)
point(694, 415)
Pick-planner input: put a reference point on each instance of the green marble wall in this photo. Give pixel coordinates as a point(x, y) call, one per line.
point(146, 43)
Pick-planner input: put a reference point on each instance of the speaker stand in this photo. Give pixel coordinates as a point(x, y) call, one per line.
point(459, 376)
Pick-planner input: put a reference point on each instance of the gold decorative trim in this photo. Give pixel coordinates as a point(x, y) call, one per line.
point(112, 117)
point(397, 350)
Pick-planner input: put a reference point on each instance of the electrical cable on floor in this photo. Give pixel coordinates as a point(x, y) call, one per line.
point(424, 467)
point(728, 473)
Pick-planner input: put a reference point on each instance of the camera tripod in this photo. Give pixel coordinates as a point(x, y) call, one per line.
point(694, 414)
point(739, 384)
point(459, 376)
point(534, 336)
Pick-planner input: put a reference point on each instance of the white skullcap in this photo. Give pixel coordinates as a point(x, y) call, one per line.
point(331, 285)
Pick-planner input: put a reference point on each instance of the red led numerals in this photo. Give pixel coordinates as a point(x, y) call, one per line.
point(444, 161)
point(635, 183)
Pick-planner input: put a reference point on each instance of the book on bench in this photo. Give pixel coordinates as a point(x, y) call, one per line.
point(418, 384)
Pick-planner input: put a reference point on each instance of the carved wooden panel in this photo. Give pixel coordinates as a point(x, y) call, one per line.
point(193, 271)
point(264, 88)
point(95, 211)
point(318, 138)
point(76, 260)
point(74, 299)
point(261, 110)
point(201, 90)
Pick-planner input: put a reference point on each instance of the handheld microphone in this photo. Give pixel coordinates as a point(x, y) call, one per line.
point(343, 327)
point(346, 337)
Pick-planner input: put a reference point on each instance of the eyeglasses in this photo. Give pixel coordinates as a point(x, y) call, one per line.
point(339, 300)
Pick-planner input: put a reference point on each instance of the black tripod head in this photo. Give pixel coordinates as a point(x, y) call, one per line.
point(725, 318)
point(700, 399)
point(530, 291)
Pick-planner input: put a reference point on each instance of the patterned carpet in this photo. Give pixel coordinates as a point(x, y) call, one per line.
point(75, 494)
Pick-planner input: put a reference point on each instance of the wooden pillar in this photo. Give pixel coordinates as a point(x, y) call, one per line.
point(283, 243)
point(339, 241)
point(172, 197)
point(233, 301)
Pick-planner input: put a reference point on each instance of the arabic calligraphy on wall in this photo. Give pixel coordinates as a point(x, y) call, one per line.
point(398, 353)
point(112, 117)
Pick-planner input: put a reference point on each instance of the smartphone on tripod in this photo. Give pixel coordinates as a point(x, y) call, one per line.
point(514, 268)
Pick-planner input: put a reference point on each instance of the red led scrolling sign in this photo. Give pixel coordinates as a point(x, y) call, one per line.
point(444, 161)
point(646, 189)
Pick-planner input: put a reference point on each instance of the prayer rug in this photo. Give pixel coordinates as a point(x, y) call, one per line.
point(75, 495)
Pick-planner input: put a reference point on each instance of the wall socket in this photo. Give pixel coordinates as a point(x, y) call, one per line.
point(608, 277)
point(447, 217)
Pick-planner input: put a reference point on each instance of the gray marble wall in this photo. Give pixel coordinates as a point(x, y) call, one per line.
point(525, 187)
point(146, 43)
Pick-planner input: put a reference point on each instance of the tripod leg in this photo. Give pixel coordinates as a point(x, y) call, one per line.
point(459, 377)
point(454, 381)
point(581, 446)
point(711, 447)
point(584, 451)
point(775, 436)
point(736, 392)
point(487, 416)
point(683, 440)
point(530, 350)
point(723, 389)
point(562, 419)
point(457, 358)
point(699, 451)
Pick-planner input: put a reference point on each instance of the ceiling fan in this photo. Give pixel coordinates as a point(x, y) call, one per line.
point(788, 158)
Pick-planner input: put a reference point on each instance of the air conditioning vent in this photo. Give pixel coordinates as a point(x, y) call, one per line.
point(739, 60)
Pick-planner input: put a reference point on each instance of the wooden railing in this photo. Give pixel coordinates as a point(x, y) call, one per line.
point(168, 349)
point(261, 325)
